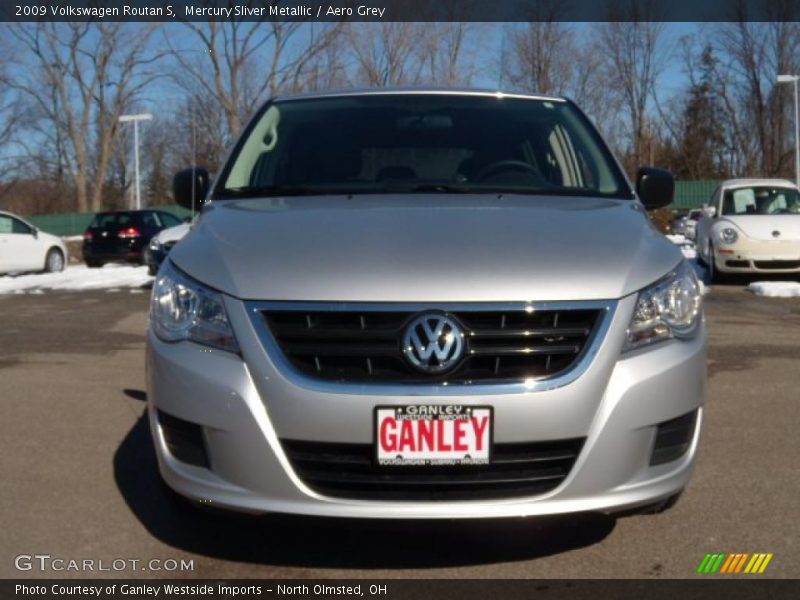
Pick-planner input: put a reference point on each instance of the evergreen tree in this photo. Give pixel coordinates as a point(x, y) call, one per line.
point(702, 142)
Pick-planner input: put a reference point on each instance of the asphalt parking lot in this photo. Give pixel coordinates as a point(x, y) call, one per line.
point(79, 476)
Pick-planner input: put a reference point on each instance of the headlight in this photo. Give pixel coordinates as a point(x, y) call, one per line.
point(183, 309)
point(154, 244)
point(670, 308)
point(728, 235)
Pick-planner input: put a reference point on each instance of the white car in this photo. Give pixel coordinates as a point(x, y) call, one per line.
point(24, 248)
point(751, 226)
point(162, 243)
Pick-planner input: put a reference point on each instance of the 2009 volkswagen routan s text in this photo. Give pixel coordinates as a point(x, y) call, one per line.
point(422, 304)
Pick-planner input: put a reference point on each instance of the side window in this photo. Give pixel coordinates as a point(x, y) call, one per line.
point(170, 220)
point(6, 225)
point(18, 226)
point(151, 220)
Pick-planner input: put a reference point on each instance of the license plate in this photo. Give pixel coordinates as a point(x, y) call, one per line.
point(433, 435)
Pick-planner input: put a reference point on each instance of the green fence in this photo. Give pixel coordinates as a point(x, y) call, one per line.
point(693, 194)
point(67, 224)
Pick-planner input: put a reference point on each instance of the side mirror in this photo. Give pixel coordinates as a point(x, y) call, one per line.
point(190, 187)
point(35, 232)
point(655, 187)
point(709, 211)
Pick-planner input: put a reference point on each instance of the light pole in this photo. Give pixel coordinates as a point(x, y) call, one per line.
point(793, 79)
point(136, 119)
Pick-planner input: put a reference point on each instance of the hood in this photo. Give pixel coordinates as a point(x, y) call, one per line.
point(173, 234)
point(761, 227)
point(425, 248)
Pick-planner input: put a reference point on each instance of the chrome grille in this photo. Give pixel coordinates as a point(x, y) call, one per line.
point(352, 343)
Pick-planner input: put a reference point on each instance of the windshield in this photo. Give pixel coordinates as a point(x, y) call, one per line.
point(761, 200)
point(114, 219)
point(421, 143)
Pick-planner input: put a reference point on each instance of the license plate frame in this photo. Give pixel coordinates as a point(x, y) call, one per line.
point(484, 458)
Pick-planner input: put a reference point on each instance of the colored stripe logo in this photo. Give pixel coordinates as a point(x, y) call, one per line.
point(741, 562)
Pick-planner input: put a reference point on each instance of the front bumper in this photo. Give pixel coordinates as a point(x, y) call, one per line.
point(759, 256)
point(246, 405)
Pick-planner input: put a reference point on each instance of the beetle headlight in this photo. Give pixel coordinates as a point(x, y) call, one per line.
point(670, 308)
point(154, 244)
point(728, 235)
point(184, 309)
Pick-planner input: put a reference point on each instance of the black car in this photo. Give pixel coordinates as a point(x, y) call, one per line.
point(123, 235)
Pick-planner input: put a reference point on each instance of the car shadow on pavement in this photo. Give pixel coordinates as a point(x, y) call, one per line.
point(308, 542)
point(139, 395)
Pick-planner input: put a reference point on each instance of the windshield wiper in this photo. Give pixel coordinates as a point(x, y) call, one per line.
point(273, 190)
point(305, 190)
point(444, 188)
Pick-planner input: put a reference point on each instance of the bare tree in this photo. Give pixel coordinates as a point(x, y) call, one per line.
point(10, 121)
point(395, 54)
point(387, 54)
point(540, 54)
point(754, 54)
point(238, 64)
point(634, 60)
point(79, 78)
point(327, 67)
point(446, 53)
point(590, 90)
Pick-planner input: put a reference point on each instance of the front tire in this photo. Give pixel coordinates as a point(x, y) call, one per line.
point(54, 261)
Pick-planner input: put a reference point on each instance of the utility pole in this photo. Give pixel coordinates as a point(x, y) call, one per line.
point(136, 118)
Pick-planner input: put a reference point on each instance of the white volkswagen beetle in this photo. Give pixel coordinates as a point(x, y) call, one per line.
point(23, 247)
point(751, 226)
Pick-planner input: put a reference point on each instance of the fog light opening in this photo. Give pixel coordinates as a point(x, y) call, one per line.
point(673, 439)
point(184, 440)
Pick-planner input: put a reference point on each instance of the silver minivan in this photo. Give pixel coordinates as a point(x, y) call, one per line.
point(425, 304)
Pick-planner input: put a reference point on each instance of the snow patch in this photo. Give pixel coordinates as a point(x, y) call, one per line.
point(775, 289)
point(77, 278)
point(676, 238)
point(686, 245)
point(689, 252)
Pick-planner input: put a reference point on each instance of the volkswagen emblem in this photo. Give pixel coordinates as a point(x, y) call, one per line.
point(433, 343)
